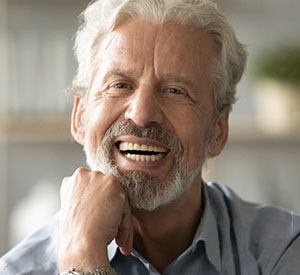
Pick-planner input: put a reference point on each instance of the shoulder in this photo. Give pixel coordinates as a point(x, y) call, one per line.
point(269, 234)
point(244, 213)
point(34, 255)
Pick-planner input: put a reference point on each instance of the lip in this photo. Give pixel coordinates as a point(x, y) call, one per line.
point(156, 168)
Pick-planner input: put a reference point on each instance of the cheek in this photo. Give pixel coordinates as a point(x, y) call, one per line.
point(194, 142)
point(100, 118)
point(192, 128)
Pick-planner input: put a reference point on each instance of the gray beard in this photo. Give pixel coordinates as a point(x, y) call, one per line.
point(144, 191)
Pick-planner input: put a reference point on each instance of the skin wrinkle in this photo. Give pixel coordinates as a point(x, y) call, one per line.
point(97, 56)
point(155, 54)
point(201, 71)
point(219, 29)
point(144, 45)
point(130, 74)
point(207, 67)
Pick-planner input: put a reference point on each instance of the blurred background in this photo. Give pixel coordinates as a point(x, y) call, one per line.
point(261, 161)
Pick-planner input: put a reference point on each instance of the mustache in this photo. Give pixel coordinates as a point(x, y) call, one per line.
point(155, 132)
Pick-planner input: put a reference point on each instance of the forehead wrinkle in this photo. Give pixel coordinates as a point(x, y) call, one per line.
point(115, 71)
point(101, 53)
point(155, 49)
point(100, 48)
point(172, 55)
point(128, 62)
point(106, 44)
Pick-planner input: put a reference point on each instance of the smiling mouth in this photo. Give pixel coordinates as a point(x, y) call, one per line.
point(142, 152)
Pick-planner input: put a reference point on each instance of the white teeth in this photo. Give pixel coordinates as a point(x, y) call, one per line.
point(123, 146)
point(144, 158)
point(127, 146)
point(144, 148)
point(136, 147)
point(130, 146)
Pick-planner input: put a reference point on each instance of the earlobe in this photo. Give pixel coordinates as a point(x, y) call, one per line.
point(77, 123)
point(220, 135)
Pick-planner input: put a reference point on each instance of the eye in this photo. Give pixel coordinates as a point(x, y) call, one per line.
point(122, 85)
point(175, 91)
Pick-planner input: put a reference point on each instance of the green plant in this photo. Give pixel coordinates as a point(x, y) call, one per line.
point(282, 64)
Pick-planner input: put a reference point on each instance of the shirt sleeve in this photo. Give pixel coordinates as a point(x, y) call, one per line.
point(289, 262)
point(4, 269)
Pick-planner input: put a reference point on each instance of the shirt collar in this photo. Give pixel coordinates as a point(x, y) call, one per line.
point(112, 250)
point(207, 232)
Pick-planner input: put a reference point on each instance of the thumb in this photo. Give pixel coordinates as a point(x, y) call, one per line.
point(124, 237)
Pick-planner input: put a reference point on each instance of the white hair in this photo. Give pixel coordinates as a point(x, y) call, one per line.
point(104, 16)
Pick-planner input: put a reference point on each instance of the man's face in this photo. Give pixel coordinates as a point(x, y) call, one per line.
point(149, 113)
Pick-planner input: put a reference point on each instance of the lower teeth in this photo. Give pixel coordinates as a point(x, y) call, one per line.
point(144, 157)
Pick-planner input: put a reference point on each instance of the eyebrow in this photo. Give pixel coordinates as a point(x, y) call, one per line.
point(121, 73)
point(178, 80)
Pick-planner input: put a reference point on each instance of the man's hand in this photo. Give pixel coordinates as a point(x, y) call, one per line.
point(94, 211)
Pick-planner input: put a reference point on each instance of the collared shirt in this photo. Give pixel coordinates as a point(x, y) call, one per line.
point(233, 238)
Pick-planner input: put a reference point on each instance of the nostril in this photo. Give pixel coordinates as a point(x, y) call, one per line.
point(144, 113)
point(144, 107)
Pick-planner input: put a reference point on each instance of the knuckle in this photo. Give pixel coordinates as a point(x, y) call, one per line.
point(96, 174)
point(111, 185)
point(122, 195)
point(80, 172)
point(112, 180)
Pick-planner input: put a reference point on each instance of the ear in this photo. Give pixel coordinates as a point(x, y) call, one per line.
point(77, 123)
point(219, 135)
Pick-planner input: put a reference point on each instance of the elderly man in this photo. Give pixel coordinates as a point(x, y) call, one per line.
point(153, 92)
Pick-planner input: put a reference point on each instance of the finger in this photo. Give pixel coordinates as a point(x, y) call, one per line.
point(68, 183)
point(64, 188)
point(129, 243)
point(124, 238)
point(125, 241)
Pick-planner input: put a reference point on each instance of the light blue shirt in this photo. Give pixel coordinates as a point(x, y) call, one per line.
point(233, 238)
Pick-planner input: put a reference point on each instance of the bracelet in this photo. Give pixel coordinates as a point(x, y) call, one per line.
point(98, 271)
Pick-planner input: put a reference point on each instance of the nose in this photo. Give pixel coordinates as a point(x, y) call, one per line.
point(144, 108)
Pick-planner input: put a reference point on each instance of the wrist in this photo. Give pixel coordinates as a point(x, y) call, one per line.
point(88, 260)
point(98, 271)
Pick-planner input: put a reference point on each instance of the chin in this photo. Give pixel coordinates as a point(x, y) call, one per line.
point(146, 192)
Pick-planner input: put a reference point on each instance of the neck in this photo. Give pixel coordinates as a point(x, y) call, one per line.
point(156, 231)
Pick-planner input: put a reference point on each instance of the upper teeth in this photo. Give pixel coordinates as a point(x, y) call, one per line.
point(126, 146)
